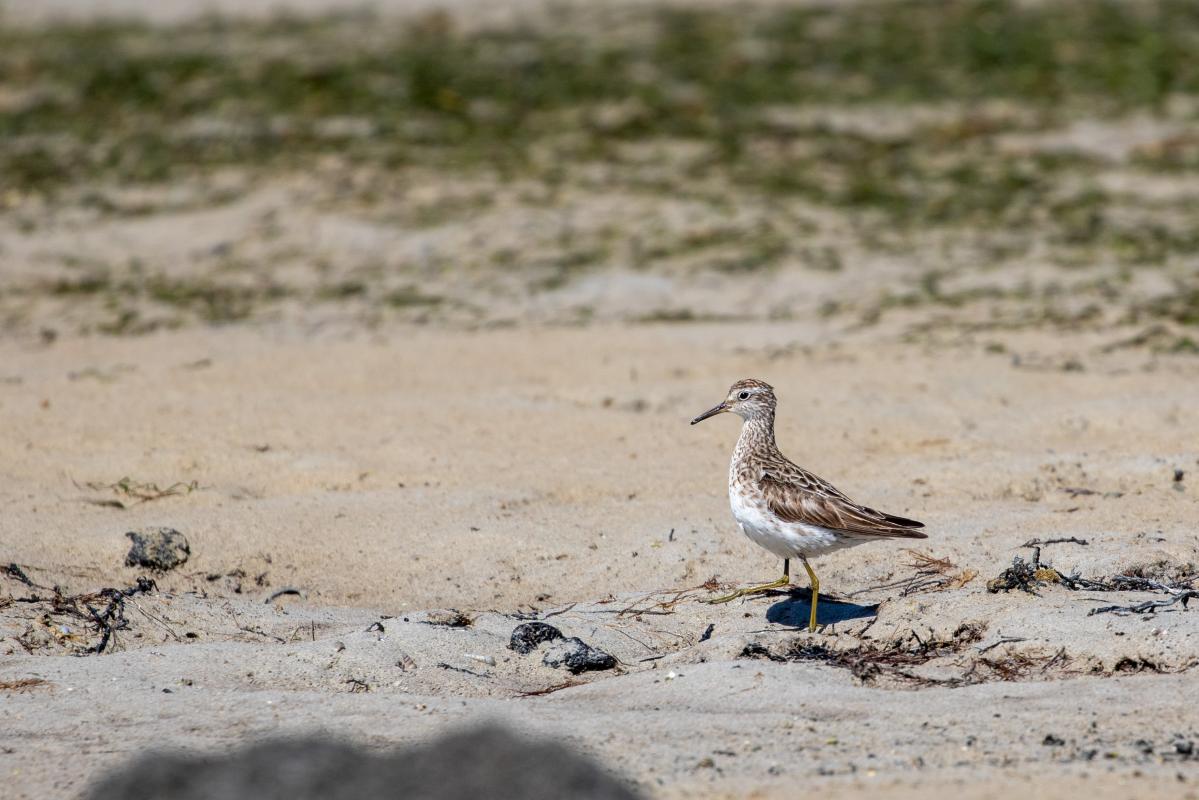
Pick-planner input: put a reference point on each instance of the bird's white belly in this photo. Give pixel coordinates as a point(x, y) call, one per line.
point(784, 539)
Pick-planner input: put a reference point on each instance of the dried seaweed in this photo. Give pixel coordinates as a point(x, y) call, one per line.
point(131, 492)
point(928, 562)
point(935, 574)
point(112, 618)
point(1020, 575)
point(1081, 491)
point(931, 574)
point(1064, 540)
point(871, 662)
point(557, 687)
point(14, 571)
point(892, 662)
point(650, 604)
point(1013, 667)
point(1162, 578)
point(106, 621)
point(452, 668)
point(448, 618)
point(1001, 641)
point(1149, 606)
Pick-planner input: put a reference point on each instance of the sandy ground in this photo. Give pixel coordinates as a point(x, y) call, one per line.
point(507, 446)
point(543, 471)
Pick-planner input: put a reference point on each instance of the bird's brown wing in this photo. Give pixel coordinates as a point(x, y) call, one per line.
point(796, 495)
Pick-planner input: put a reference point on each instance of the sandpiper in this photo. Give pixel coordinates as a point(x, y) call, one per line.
point(783, 507)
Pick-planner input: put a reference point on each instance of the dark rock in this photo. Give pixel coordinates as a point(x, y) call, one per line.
point(488, 762)
point(527, 636)
point(577, 656)
point(1053, 741)
point(157, 548)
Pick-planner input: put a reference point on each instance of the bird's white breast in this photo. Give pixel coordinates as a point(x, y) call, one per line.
point(784, 539)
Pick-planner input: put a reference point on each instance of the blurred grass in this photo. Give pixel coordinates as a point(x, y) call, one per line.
point(898, 117)
point(141, 104)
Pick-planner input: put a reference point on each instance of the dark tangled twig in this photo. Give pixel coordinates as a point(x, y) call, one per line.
point(1149, 606)
point(112, 618)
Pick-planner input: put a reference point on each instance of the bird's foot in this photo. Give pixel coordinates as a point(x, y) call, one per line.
point(765, 587)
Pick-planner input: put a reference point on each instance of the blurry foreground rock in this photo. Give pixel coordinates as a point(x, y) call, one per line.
point(157, 548)
point(487, 762)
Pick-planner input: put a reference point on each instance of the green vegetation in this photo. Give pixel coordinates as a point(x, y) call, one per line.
point(410, 296)
point(146, 104)
point(893, 118)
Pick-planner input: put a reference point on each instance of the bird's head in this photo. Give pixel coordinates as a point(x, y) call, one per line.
point(748, 399)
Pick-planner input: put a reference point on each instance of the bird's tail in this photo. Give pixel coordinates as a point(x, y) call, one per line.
point(905, 528)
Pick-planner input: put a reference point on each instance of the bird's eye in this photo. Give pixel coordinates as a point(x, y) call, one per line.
point(743, 396)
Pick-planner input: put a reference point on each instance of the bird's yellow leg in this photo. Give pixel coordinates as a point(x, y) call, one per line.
point(815, 593)
point(765, 587)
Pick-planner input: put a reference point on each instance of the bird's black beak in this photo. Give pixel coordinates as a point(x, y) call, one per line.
point(711, 412)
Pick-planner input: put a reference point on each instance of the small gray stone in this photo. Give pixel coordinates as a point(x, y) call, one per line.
point(577, 656)
point(157, 548)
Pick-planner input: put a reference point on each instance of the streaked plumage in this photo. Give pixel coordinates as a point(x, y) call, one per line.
point(783, 507)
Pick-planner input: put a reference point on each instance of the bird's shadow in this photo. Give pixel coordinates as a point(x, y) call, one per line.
point(796, 607)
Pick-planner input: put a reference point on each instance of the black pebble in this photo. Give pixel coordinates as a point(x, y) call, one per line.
point(577, 656)
point(527, 636)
